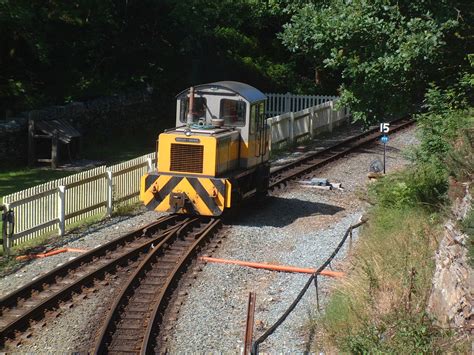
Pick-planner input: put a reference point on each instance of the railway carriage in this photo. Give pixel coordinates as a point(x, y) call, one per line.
point(216, 156)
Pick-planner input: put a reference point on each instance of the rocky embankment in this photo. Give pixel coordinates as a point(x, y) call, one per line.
point(451, 296)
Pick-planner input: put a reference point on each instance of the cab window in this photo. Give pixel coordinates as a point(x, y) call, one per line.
point(199, 111)
point(233, 112)
point(253, 116)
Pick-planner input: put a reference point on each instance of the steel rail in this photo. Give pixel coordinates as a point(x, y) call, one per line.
point(316, 160)
point(160, 304)
point(131, 318)
point(32, 300)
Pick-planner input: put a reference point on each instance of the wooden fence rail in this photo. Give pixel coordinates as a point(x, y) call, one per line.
point(278, 104)
point(55, 205)
point(288, 127)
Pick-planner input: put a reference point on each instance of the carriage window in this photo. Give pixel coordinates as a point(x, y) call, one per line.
point(233, 112)
point(253, 116)
point(199, 111)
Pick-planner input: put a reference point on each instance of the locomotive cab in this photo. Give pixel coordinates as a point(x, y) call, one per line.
point(215, 156)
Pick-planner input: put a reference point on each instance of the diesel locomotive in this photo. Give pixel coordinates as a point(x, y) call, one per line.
point(216, 156)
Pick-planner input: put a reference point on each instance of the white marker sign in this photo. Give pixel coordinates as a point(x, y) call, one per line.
point(384, 127)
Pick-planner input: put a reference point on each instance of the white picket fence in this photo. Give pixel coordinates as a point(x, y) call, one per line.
point(288, 127)
point(57, 204)
point(278, 104)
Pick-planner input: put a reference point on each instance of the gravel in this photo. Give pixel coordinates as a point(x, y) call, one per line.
point(86, 238)
point(75, 327)
point(299, 227)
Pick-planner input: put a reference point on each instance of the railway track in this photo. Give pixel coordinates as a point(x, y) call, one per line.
point(32, 301)
point(160, 254)
point(301, 167)
point(134, 320)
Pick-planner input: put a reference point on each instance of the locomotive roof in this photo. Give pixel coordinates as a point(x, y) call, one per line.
point(248, 92)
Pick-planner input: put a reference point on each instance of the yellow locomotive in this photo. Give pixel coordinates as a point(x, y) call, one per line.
point(216, 156)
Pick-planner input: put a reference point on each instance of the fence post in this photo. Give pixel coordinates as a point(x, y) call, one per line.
point(291, 128)
point(311, 119)
point(6, 222)
point(150, 164)
point(110, 193)
point(270, 138)
point(287, 102)
point(331, 115)
point(61, 209)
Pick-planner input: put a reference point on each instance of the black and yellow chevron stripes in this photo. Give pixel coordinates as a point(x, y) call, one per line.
point(206, 196)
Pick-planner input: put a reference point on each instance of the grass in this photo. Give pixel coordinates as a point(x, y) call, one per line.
point(108, 146)
point(380, 306)
point(20, 179)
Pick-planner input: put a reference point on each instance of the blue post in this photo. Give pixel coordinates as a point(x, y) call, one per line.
point(384, 140)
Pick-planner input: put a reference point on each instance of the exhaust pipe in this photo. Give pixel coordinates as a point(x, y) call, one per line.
point(189, 118)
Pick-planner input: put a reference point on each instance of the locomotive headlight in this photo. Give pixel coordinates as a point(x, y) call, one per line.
point(187, 132)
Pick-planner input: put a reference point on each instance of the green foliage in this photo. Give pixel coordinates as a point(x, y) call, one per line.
point(410, 335)
point(424, 185)
point(440, 126)
point(385, 51)
point(460, 161)
point(56, 51)
point(380, 307)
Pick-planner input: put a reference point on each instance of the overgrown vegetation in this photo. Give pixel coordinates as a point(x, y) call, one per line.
point(56, 51)
point(380, 308)
point(387, 287)
point(385, 52)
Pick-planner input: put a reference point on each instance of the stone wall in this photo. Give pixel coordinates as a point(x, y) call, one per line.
point(13, 141)
point(99, 113)
point(451, 299)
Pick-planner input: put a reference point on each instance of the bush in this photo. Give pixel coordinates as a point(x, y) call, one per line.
point(380, 307)
point(425, 184)
point(460, 162)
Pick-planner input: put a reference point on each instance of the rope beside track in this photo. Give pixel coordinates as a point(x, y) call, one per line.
point(312, 278)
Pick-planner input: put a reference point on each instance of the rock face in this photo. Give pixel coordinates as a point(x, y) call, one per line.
point(451, 296)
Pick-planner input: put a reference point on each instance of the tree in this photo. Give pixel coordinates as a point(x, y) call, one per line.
point(386, 52)
point(54, 51)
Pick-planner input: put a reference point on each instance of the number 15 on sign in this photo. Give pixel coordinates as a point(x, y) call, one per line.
point(384, 127)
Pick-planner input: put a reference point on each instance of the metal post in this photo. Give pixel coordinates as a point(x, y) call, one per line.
point(384, 150)
point(61, 209)
point(317, 291)
point(110, 194)
point(249, 325)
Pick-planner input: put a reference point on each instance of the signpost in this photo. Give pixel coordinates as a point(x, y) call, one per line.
point(384, 129)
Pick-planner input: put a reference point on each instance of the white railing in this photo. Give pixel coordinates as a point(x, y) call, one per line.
point(57, 204)
point(278, 104)
point(288, 127)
